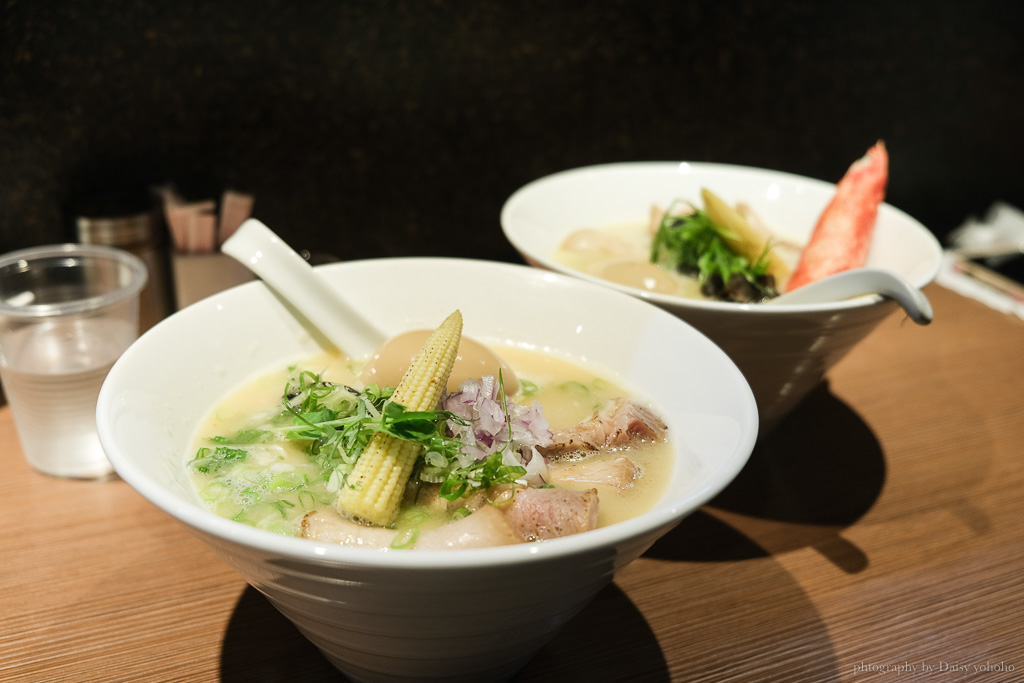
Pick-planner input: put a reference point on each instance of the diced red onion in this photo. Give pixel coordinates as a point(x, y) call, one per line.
point(478, 402)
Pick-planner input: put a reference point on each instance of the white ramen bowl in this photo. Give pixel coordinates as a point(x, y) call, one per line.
point(784, 351)
point(463, 615)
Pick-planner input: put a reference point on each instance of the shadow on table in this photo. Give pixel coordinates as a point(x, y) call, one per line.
point(752, 626)
point(262, 646)
point(818, 472)
point(609, 640)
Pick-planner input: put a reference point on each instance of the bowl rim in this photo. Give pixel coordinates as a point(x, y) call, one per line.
point(193, 515)
point(666, 300)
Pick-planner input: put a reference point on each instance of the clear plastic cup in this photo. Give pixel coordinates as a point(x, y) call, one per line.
point(67, 312)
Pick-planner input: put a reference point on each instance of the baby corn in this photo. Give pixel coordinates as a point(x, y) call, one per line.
point(375, 486)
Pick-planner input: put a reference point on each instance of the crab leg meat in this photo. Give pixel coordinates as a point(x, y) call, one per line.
point(842, 237)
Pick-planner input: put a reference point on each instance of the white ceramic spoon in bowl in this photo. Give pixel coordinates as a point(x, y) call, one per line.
point(264, 253)
point(861, 282)
point(268, 256)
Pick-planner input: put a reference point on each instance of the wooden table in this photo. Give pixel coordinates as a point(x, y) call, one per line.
point(880, 526)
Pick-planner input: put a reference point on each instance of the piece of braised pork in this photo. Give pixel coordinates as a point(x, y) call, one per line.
point(546, 513)
point(617, 424)
point(619, 473)
point(484, 528)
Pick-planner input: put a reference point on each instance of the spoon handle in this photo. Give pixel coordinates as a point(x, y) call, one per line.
point(265, 254)
point(862, 282)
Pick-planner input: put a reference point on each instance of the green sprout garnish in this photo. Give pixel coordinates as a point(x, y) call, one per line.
point(338, 422)
point(693, 244)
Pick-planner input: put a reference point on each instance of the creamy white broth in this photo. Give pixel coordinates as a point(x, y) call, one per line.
point(288, 482)
point(620, 253)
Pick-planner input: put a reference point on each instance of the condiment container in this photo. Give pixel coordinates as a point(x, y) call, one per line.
point(141, 234)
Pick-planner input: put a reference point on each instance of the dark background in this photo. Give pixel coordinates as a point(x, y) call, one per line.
point(371, 129)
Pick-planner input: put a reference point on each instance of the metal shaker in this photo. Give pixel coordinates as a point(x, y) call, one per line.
point(141, 234)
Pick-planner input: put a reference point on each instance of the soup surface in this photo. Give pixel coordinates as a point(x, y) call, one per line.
point(274, 483)
point(620, 253)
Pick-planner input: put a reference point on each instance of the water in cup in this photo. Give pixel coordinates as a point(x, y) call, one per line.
point(67, 313)
point(53, 391)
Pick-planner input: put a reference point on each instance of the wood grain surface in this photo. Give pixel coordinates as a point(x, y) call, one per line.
point(876, 535)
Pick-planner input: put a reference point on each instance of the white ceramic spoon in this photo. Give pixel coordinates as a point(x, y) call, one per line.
point(861, 282)
point(283, 270)
point(265, 254)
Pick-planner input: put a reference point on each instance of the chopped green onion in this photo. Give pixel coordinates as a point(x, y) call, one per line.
point(527, 387)
point(405, 539)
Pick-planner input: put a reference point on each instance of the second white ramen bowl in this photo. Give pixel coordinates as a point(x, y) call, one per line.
point(784, 351)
